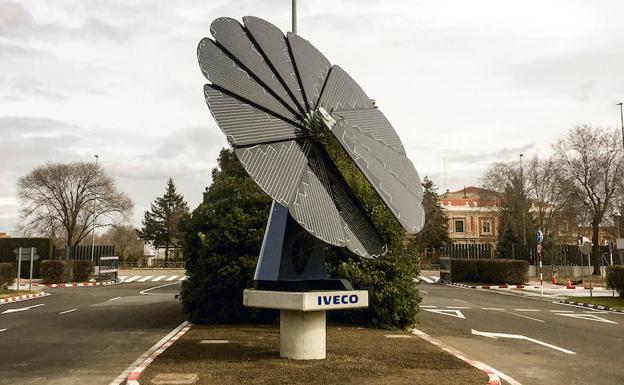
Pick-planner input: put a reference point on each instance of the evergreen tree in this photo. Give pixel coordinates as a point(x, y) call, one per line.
point(161, 222)
point(221, 243)
point(435, 232)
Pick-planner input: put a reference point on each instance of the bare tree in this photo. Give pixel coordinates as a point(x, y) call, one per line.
point(126, 240)
point(548, 193)
point(591, 164)
point(71, 197)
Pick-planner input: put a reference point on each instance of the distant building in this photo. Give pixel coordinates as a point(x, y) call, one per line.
point(4, 235)
point(471, 219)
point(474, 219)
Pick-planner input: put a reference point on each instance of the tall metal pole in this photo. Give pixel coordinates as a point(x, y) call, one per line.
point(621, 119)
point(94, 209)
point(294, 16)
point(523, 203)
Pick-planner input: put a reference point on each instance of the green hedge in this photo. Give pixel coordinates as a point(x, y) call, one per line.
point(80, 270)
point(45, 250)
point(615, 279)
point(8, 273)
point(489, 271)
point(54, 271)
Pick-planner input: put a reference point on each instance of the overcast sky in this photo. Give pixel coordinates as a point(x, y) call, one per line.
point(471, 82)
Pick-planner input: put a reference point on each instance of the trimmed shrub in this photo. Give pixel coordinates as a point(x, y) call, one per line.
point(54, 271)
point(8, 272)
point(489, 271)
point(80, 270)
point(615, 279)
point(45, 250)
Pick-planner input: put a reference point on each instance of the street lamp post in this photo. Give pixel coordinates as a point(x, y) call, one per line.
point(294, 16)
point(94, 209)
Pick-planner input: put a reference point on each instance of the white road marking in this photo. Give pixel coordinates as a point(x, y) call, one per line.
point(588, 317)
point(145, 278)
point(428, 280)
point(427, 306)
point(158, 278)
point(523, 316)
point(528, 310)
point(171, 278)
point(422, 291)
point(520, 337)
point(561, 311)
point(1, 330)
point(492, 308)
point(22, 309)
point(114, 299)
point(477, 364)
point(448, 312)
point(459, 307)
point(183, 278)
point(459, 300)
point(434, 278)
point(145, 292)
point(133, 278)
point(122, 277)
point(67, 311)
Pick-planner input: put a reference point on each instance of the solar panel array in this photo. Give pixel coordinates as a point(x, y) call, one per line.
point(264, 88)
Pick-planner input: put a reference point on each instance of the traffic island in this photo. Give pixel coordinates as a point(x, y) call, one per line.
point(233, 355)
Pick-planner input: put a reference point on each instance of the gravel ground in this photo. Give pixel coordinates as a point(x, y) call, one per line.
point(354, 356)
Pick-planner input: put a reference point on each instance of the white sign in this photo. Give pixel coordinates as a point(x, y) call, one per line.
point(539, 236)
point(620, 243)
point(306, 301)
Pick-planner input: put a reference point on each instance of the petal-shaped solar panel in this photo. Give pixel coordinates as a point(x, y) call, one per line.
point(275, 97)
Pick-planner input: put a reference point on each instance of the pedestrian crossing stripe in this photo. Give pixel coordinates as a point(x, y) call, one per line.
point(151, 278)
point(427, 279)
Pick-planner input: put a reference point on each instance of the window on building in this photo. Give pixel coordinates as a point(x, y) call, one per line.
point(563, 228)
point(459, 225)
point(487, 226)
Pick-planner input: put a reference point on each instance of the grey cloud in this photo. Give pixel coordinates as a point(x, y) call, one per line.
point(16, 21)
point(489, 157)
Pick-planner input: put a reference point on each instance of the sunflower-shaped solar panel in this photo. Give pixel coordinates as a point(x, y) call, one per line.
point(274, 97)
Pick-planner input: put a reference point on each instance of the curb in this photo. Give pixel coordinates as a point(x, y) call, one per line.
point(161, 346)
point(591, 306)
point(23, 297)
point(503, 286)
point(492, 373)
point(79, 284)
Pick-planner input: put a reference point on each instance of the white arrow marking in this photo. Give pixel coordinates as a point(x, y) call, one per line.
point(588, 317)
point(448, 312)
point(520, 337)
point(22, 309)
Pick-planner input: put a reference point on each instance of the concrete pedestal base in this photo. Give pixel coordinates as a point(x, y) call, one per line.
point(302, 335)
point(302, 316)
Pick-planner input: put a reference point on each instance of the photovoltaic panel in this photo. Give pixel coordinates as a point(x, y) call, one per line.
point(276, 167)
point(341, 92)
point(395, 195)
point(269, 94)
point(230, 34)
point(311, 66)
point(373, 123)
point(273, 44)
point(245, 125)
point(224, 72)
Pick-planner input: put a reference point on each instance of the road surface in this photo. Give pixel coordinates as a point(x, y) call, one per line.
point(532, 341)
point(85, 335)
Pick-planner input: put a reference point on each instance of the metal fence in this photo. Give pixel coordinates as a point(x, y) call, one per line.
point(562, 255)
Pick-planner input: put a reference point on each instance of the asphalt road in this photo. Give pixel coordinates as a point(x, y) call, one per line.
point(84, 335)
point(460, 318)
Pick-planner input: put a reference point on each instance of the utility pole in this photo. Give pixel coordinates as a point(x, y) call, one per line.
point(621, 119)
point(294, 16)
point(94, 209)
